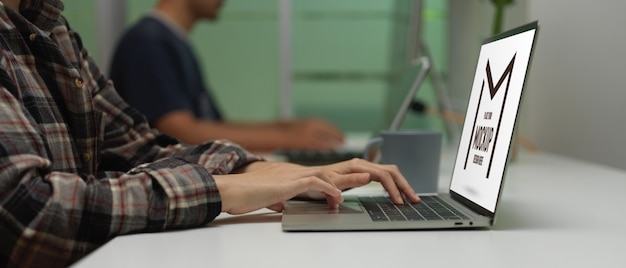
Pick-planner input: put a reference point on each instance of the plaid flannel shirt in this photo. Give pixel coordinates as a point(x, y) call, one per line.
point(78, 166)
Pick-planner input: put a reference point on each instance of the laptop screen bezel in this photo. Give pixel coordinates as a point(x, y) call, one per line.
point(460, 198)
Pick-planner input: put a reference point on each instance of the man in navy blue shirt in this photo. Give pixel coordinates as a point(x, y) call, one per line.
point(155, 70)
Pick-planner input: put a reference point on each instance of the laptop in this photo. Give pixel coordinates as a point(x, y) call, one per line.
point(479, 170)
point(355, 142)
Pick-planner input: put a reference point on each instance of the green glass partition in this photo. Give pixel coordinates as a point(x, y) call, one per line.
point(341, 58)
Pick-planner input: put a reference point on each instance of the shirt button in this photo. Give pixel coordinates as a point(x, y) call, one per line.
point(32, 37)
point(86, 157)
point(79, 83)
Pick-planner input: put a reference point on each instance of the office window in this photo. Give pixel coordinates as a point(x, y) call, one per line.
point(341, 58)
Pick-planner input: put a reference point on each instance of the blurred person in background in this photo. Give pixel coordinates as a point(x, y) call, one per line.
point(155, 70)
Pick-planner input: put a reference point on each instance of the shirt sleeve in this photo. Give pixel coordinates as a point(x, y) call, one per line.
point(145, 181)
point(50, 217)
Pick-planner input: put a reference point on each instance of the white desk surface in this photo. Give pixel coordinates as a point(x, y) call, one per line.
point(554, 212)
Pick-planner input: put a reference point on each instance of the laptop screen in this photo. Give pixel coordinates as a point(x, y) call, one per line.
point(491, 115)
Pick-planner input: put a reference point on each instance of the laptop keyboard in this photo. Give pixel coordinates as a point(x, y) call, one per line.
point(381, 208)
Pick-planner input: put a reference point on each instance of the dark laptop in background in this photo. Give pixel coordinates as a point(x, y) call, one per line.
point(355, 144)
point(479, 171)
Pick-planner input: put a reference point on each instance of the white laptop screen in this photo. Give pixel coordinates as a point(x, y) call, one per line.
point(491, 115)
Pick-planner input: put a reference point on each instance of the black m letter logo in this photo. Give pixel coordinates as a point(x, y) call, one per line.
point(507, 73)
point(493, 90)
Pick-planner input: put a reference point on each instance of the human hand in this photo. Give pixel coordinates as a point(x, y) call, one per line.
point(389, 177)
point(312, 134)
point(266, 184)
point(270, 184)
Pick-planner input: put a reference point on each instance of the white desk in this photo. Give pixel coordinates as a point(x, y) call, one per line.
point(541, 223)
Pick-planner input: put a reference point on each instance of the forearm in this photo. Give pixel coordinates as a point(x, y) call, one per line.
point(55, 218)
point(258, 137)
point(67, 216)
point(129, 141)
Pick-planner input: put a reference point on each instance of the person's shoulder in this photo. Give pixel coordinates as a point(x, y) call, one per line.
point(147, 30)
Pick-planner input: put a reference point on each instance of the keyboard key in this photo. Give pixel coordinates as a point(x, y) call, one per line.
point(430, 208)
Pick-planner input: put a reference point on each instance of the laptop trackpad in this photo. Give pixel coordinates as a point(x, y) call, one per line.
point(323, 208)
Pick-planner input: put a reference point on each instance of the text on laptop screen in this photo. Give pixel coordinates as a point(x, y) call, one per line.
point(490, 118)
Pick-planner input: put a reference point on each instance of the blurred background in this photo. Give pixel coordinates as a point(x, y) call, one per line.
point(347, 61)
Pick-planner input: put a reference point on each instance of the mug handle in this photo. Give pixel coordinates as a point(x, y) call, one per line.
point(373, 142)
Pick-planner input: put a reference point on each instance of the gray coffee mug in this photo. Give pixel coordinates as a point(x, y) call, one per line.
point(417, 154)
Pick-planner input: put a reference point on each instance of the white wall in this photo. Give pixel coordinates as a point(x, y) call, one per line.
point(576, 105)
point(575, 97)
